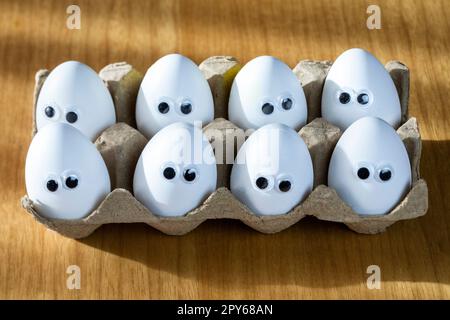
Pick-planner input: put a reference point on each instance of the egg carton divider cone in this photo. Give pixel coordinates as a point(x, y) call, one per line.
point(121, 145)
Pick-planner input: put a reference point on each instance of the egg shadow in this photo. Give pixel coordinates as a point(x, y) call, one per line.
point(311, 253)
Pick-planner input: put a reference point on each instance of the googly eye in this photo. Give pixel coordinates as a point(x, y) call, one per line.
point(52, 185)
point(284, 185)
point(385, 174)
point(186, 108)
point(262, 183)
point(363, 173)
point(287, 103)
point(267, 108)
point(49, 111)
point(344, 97)
point(189, 175)
point(163, 107)
point(363, 98)
point(71, 117)
point(71, 182)
point(169, 173)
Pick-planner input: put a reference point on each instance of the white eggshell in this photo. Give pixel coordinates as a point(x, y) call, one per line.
point(73, 87)
point(177, 147)
point(358, 73)
point(57, 152)
point(173, 81)
point(277, 154)
point(373, 144)
point(266, 81)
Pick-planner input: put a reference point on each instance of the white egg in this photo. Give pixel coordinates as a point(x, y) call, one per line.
point(65, 175)
point(173, 90)
point(370, 168)
point(357, 86)
point(273, 171)
point(266, 91)
point(176, 171)
point(73, 93)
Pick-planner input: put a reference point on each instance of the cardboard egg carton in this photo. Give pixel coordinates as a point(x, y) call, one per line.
point(121, 146)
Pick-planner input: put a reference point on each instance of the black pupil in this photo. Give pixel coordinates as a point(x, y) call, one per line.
point(52, 185)
point(163, 107)
point(385, 174)
point(262, 183)
point(49, 112)
point(267, 108)
point(169, 173)
point(189, 175)
point(344, 98)
point(363, 173)
point(71, 117)
point(71, 182)
point(285, 186)
point(186, 108)
point(286, 104)
point(363, 98)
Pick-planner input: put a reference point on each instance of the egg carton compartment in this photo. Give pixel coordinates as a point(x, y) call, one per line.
point(121, 145)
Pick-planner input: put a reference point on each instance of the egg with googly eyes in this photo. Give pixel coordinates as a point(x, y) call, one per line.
point(370, 168)
point(267, 91)
point(357, 86)
point(176, 171)
point(173, 90)
point(73, 93)
point(273, 171)
point(65, 175)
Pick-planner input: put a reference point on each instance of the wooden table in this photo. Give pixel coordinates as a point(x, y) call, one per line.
point(225, 259)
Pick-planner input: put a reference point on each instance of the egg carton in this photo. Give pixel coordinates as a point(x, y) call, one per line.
point(121, 145)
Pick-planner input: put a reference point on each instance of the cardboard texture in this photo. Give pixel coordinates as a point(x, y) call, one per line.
point(220, 71)
point(121, 146)
point(312, 76)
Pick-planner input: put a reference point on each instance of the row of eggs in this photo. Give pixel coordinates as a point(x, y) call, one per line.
point(67, 178)
point(176, 171)
point(264, 91)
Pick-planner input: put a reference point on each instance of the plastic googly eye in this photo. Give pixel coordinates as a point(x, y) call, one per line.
point(189, 175)
point(71, 117)
point(52, 185)
point(363, 98)
point(262, 183)
point(186, 108)
point(169, 173)
point(344, 98)
point(287, 103)
point(71, 182)
point(267, 108)
point(163, 107)
point(284, 185)
point(363, 173)
point(49, 112)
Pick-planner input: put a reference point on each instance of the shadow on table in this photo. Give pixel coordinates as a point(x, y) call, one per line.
point(311, 253)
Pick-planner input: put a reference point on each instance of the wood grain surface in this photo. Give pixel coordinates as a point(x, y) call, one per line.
point(225, 259)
